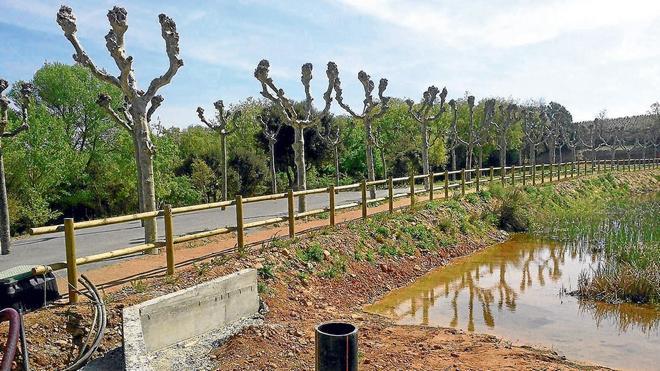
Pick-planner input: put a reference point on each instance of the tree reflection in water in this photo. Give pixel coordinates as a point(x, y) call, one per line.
point(494, 280)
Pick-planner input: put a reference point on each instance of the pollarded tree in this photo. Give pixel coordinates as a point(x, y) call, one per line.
point(570, 137)
point(470, 139)
point(26, 90)
point(558, 118)
point(533, 130)
point(483, 129)
point(299, 122)
point(510, 115)
point(593, 133)
point(476, 132)
point(330, 133)
point(271, 134)
point(139, 104)
point(369, 113)
point(427, 115)
point(225, 124)
point(453, 138)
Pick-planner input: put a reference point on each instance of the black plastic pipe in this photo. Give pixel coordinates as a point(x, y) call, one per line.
point(336, 347)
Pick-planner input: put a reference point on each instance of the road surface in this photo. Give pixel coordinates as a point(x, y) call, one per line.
point(49, 248)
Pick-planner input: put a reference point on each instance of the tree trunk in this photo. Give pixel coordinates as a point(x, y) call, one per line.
point(382, 159)
point(223, 164)
point(5, 237)
point(136, 154)
point(503, 155)
point(453, 162)
point(425, 154)
point(145, 166)
point(301, 173)
point(371, 172)
point(273, 173)
point(336, 151)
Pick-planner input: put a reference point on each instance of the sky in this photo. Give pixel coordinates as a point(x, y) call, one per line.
point(588, 55)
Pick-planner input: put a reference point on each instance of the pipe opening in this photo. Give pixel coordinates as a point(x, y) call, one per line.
point(336, 329)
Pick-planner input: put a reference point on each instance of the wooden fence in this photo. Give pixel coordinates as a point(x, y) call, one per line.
point(467, 178)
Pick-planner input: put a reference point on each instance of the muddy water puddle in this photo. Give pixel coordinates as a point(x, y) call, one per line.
point(514, 290)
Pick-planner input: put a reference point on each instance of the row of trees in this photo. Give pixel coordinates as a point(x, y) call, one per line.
point(91, 131)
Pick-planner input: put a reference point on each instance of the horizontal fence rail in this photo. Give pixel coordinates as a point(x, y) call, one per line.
point(443, 182)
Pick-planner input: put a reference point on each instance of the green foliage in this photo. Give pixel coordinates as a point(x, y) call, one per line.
point(312, 253)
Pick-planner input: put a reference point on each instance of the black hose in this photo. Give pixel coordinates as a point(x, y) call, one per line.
point(87, 352)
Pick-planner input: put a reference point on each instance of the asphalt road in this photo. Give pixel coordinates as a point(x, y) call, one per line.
point(49, 248)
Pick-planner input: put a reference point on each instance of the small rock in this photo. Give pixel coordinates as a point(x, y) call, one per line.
point(417, 267)
point(326, 254)
point(455, 355)
point(258, 266)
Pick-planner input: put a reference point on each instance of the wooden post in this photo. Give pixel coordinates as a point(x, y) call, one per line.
point(478, 177)
point(542, 173)
point(363, 189)
point(331, 195)
point(534, 174)
point(240, 234)
point(578, 169)
point(462, 182)
point(446, 184)
point(502, 174)
point(292, 214)
point(169, 238)
point(513, 175)
point(572, 169)
point(598, 166)
point(71, 266)
point(412, 190)
point(431, 181)
point(523, 174)
point(552, 171)
point(390, 194)
point(492, 174)
point(565, 168)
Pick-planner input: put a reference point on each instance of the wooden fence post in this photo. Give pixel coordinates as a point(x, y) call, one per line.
point(71, 266)
point(431, 181)
point(492, 174)
point(412, 190)
point(534, 174)
point(523, 174)
point(513, 175)
point(363, 190)
point(478, 178)
point(390, 194)
point(572, 169)
point(462, 182)
point(565, 170)
point(542, 173)
point(331, 201)
point(169, 238)
point(552, 171)
point(578, 169)
point(446, 184)
point(292, 214)
point(240, 234)
point(502, 174)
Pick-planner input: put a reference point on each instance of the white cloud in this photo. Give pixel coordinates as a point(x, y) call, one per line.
point(496, 24)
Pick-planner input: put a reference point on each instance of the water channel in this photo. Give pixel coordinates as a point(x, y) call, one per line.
point(516, 290)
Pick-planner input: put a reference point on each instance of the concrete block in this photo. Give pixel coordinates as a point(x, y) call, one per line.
point(172, 318)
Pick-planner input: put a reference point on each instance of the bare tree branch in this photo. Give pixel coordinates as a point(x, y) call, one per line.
point(104, 101)
point(171, 37)
point(156, 101)
point(67, 22)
